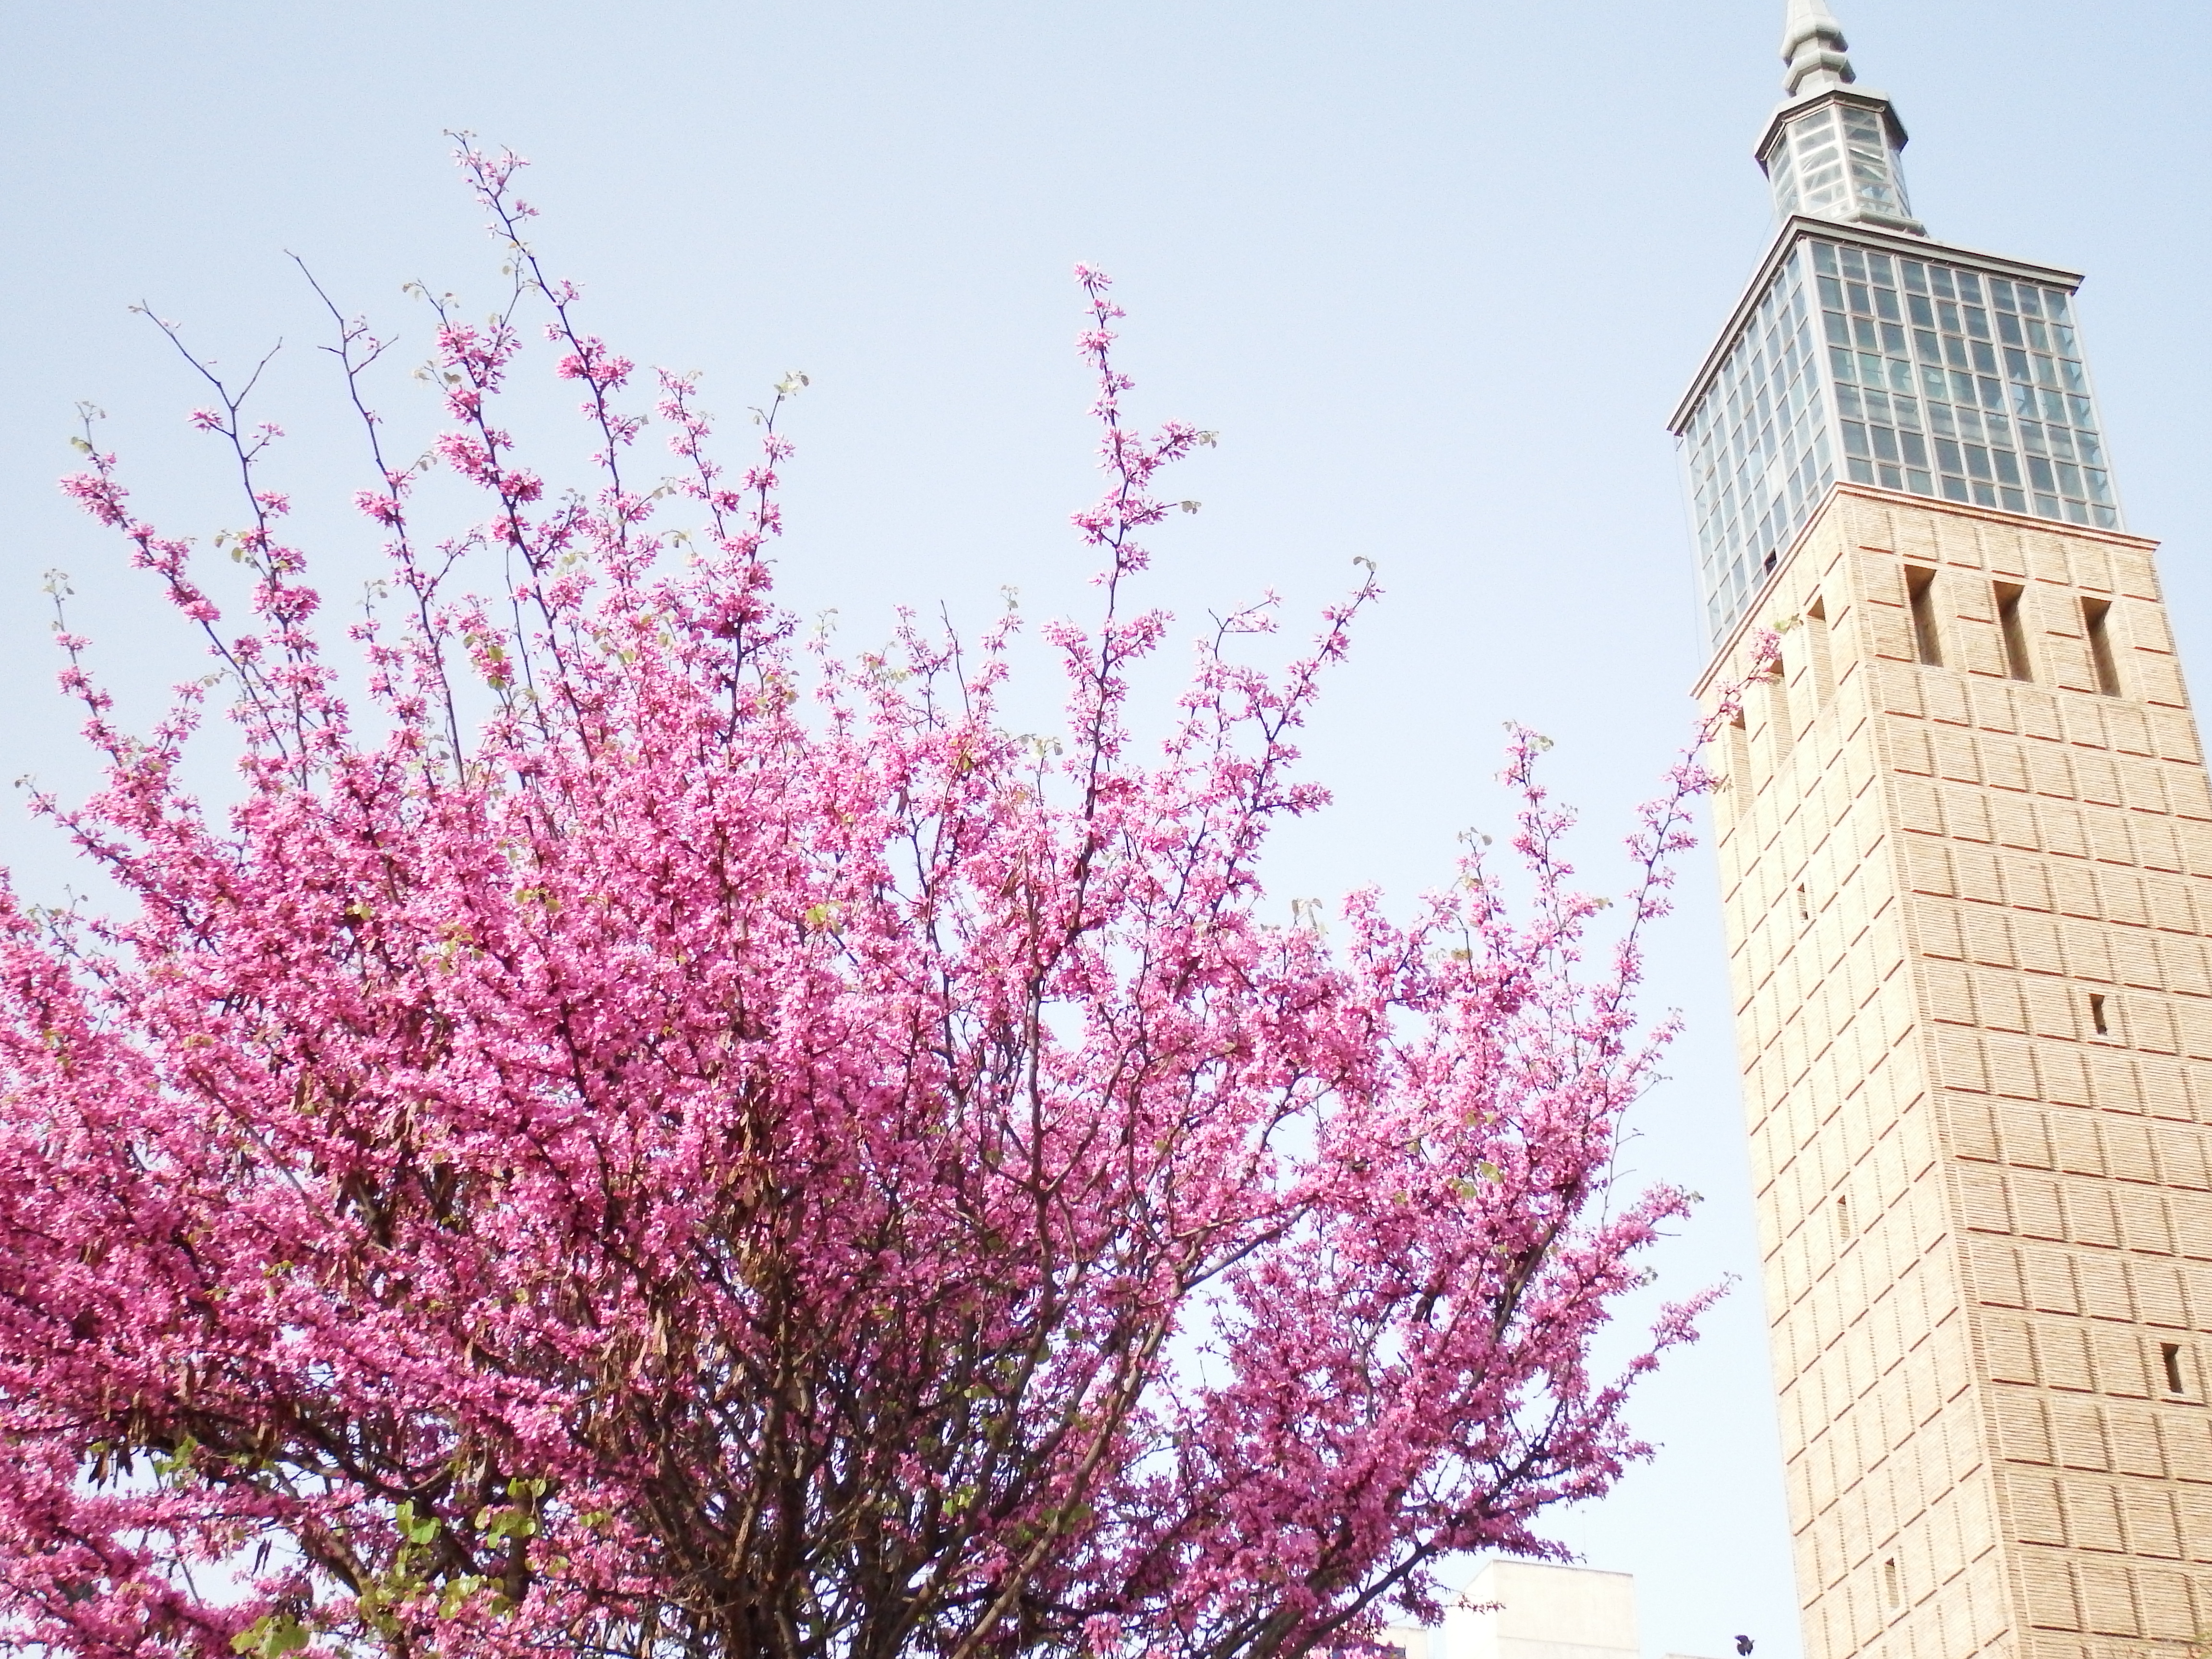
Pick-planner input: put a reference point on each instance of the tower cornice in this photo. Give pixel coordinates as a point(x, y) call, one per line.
point(1730, 644)
point(1864, 97)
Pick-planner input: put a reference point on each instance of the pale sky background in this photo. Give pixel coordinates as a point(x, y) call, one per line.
point(1436, 271)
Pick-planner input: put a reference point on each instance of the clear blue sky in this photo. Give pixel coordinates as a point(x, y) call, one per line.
point(1436, 272)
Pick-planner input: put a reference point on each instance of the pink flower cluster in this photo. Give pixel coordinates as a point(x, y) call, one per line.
point(659, 1139)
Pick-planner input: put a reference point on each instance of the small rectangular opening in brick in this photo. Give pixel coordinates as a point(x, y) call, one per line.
point(1920, 594)
point(2098, 1022)
point(2096, 615)
point(2015, 635)
point(1823, 664)
point(2169, 1356)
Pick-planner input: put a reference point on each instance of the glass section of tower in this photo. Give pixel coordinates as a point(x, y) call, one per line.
point(1917, 375)
point(1759, 445)
point(1838, 160)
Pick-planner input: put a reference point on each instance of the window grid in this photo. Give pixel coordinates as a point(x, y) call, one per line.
point(1927, 377)
point(1837, 162)
point(1759, 452)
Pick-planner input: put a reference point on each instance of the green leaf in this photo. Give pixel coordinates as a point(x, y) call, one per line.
point(270, 1637)
point(414, 1531)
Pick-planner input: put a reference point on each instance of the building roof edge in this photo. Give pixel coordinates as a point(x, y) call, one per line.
point(1883, 497)
point(1799, 225)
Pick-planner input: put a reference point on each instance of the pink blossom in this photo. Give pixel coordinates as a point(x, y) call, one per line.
point(659, 1135)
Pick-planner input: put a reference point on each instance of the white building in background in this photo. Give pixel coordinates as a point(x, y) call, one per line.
point(1532, 1610)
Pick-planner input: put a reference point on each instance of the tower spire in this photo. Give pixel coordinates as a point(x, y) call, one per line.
point(1813, 47)
point(1831, 150)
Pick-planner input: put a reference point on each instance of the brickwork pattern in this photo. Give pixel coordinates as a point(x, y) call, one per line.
point(1968, 915)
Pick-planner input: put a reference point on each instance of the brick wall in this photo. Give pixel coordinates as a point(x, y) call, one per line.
point(1986, 1224)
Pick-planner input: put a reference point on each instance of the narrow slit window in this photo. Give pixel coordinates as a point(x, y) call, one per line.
point(2098, 1021)
point(1823, 666)
point(1920, 592)
point(1892, 1583)
point(2096, 623)
point(1843, 1216)
point(2015, 636)
point(2169, 1356)
point(1784, 730)
point(1804, 909)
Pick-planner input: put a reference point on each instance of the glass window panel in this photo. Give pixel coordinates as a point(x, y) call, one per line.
point(1770, 436)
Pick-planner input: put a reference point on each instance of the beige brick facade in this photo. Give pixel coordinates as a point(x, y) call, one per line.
point(1968, 915)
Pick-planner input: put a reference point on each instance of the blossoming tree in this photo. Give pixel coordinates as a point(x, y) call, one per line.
point(647, 1136)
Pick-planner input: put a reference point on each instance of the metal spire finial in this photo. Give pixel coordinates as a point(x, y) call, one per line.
point(1813, 47)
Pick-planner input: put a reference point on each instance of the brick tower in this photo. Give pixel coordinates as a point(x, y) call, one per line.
point(1966, 843)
